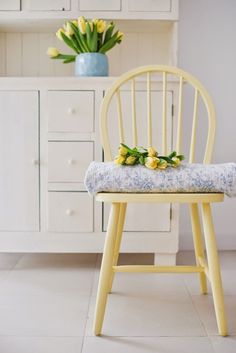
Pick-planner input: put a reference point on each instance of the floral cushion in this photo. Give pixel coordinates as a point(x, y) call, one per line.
point(204, 178)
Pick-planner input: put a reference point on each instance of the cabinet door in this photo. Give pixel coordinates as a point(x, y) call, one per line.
point(149, 5)
point(98, 5)
point(9, 5)
point(141, 217)
point(46, 5)
point(19, 153)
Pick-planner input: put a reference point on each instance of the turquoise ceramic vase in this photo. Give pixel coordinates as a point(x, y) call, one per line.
point(91, 64)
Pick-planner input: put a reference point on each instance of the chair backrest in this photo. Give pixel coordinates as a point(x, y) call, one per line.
point(166, 72)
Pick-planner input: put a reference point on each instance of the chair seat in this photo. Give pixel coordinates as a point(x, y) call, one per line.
point(160, 197)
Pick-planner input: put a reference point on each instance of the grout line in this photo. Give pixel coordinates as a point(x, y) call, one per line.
point(89, 302)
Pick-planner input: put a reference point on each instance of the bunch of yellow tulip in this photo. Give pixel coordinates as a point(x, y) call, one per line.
point(86, 36)
point(148, 157)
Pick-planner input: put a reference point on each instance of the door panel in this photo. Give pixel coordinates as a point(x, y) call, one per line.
point(19, 153)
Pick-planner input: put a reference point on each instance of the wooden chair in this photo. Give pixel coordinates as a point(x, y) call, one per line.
point(206, 268)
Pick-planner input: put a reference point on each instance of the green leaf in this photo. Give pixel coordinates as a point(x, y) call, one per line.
point(89, 35)
point(69, 42)
point(109, 44)
point(94, 41)
point(81, 39)
point(108, 33)
point(173, 154)
point(181, 157)
point(65, 57)
point(70, 60)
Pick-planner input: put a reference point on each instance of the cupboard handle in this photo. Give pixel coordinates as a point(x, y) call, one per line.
point(71, 161)
point(71, 111)
point(69, 212)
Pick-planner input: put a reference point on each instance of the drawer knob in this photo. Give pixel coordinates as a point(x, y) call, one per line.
point(69, 212)
point(71, 111)
point(71, 161)
point(35, 161)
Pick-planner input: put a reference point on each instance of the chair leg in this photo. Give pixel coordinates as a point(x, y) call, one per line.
point(106, 268)
point(118, 239)
point(214, 269)
point(198, 243)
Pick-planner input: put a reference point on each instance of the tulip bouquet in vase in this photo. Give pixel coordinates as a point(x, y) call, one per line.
point(90, 40)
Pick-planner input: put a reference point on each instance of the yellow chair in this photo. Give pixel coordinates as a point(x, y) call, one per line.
point(206, 268)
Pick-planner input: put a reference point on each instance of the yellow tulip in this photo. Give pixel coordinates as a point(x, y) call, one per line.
point(75, 22)
point(152, 152)
point(123, 151)
point(101, 26)
point(130, 160)
point(58, 33)
point(120, 36)
point(151, 162)
point(82, 24)
point(177, 162)
point(162, 165)
point(52, 52)
point(68, 29)
point(91, 25)
point(119, 159)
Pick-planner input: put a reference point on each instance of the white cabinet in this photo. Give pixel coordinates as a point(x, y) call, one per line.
point(70, 111)
point(68, 161)
point(98, 5)
point(149, 5)
point(9, 5)
point(19, 160)
point(46, 5)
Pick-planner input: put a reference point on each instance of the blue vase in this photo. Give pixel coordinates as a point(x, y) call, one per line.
point(91, 64)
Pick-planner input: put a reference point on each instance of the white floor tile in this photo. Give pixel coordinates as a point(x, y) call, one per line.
point(106, 344)
point(148, 315)
point(48, 282)
point(40, 344)
point(224, 344)
point(205, 308)
point(8, 261)
point(43, 315)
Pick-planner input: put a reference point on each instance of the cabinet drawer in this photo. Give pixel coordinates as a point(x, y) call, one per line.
point(143, 217)
point(10, 5)
point(71, 111)
point(98, 5)
point(70, 212)
point(149, 5)
point(46, 5)
point(68, 161)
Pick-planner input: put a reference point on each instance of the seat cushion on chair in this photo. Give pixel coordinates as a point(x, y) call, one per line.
point(204, 178)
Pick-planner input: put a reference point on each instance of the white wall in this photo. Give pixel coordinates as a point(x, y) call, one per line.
point(207, 48)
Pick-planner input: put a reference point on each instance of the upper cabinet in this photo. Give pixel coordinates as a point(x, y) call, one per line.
point(107, 9)
point(10, 5)
point(98, 5)
point(46, 5)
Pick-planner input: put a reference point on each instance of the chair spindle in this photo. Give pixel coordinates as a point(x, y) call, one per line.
point(149, 109)
point(164, 124)
point(134, 120)
point(194, 128)
point(120, 117)
point(180, 120)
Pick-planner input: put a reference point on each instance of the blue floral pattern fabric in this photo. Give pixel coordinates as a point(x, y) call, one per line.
point(204, 178)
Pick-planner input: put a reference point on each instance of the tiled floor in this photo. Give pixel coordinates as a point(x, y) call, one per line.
point(47, 304)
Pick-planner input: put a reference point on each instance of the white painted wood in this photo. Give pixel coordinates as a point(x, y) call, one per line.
point(10, 5)
point(30, 54)
point(149, 5)
point(71, 111)
point(19, 159)
point(46, 5)
point(70, 212)
point(2, 54)
point(143, 218)
point(68, 161)
point(164, 259)
point(98, 5)
point(14, 54)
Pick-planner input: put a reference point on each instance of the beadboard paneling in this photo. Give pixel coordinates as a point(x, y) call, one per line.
point(24, 54)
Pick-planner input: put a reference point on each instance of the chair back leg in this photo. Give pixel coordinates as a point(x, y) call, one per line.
point(120, 227)
point(198, 243)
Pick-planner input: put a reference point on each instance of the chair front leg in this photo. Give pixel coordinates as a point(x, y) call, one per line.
point(214, 269)
point(106, 268)
point(198, 243)
point(120, 227)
